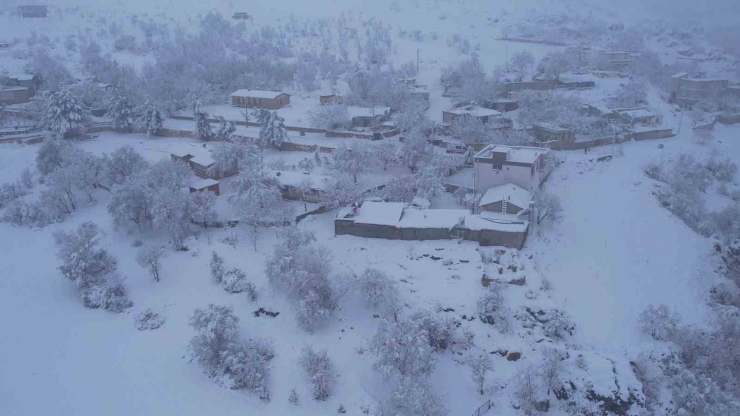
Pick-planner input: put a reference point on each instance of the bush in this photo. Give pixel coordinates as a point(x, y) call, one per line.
point(111, 297)
point(320, 371)
point(659, 322)
point(723, 170)
point(148, 320)
point(235, 281)
point(492, 310)
point(559, 324)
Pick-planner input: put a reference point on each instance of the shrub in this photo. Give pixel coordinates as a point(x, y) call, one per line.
point(148, 320)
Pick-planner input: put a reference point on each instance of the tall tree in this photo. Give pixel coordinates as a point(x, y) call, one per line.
point(152, 119)
point(272, 129)
point(120, 111)
point(62, 114)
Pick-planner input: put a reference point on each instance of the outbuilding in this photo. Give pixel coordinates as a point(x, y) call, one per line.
point(271, 100)
point(205, 185)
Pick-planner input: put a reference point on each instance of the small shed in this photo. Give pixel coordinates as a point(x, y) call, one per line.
point(271, 100)
point(506, 199)
point(485, 115)
point(330, 99)
point(205, 185)
point(15, 95)
point(368, 117)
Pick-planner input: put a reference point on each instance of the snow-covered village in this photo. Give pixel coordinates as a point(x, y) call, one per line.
point(387, 208)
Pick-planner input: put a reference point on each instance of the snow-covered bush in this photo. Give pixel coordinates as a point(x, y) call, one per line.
point(202, 208)
point(20, 212)
point(148, 320)
point(293, 398)
point(150, 258)
point(403, 349)
point(227, 358)
point(559, 324)
point(232, 157)
point(320, 371)
point(722, 170)
point(413, 396)
point(659, 322)
point(92, 269)
point(552, 368)
point(53, 154)
point(235, 281)
point(632, 94)
point(528, 390)
point(492, 309)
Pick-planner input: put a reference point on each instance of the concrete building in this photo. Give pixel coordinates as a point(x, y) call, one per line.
point(606, 60)
point(330, 99)
point(639, 116)
point(485, 115)
point(396, 221)
point(523, 166)
point(502, 105)
point(687, 91)
point(271, 100)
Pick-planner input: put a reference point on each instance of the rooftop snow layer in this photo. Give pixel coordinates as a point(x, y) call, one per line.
point(257, 94)
point(380, 213)
point(474, 111)
point(516, 154)
point(432, 218)
point(295, 179)
point(367, 111)
point(510, 192)
point(203, 183)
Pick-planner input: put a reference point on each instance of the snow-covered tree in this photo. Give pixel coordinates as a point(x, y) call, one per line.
point(61, 195)
point(412, 117)
point(306, 72)
point(659, 322)
point(528, 390)
point(62, 114)
point(225, 130)
point(413, 396)
point(235, 281)
point(400, 188)
point(470, 130)
point(320, 371)
point(272, 130)
point(522, 60)
point(340, 191)
point(402, 349)
point(479, 366)
point(225, 356)
point(150, 258)
point(217, 267)
point(91, 268)
point(552, 368)
point(379, 290)
point(259, 202)
point(330, 116)
point(559, 324)
point(148, 320)
point(386, 153)
point(302, 271)
point(415, 149)
point(353, 160)
point(53, 154)
point(203, 130)
point(123, 163)
point(152, 119)
point(232, 157)
point(492, 309)
point(202, 208)
point(120, 110)
point(556, 63)
point(548, 208)
point(632, 94)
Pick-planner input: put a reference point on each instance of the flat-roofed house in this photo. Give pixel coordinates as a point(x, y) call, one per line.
point(200, 162)
point(271, 100)
point(33, 11)
point(485, 115)
point(553, 135)
point(523, 166)
point(506, 199)
point(367, 116)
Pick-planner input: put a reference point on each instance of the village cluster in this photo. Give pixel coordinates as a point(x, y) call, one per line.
point(298, 149)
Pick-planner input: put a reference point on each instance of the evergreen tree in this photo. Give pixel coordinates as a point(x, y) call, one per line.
point(152, 119)
point(62, 114)
point(272, 129)
point(120, 111)
point(203, 130)
point(226, 129)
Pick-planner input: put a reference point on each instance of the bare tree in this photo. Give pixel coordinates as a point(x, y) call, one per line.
point(150, 258)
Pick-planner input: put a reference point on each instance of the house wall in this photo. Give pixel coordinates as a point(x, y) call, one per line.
point(486, 177)
point(252, 102)
point(215, 188)
point(296, 194)
point(483, 237)
point(496, 207)
point(14, 96)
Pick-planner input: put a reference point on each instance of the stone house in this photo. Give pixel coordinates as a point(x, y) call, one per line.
point(552, 135)
point(639, 116)
point(14, 95)
point(270, 100)
point(205, 185)
point(367, 117)
point(523, 166)
point(687, 91)
point(200, 162)
point(485, 115)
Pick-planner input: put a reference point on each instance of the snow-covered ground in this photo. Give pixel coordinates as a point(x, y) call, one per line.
point(616, 251)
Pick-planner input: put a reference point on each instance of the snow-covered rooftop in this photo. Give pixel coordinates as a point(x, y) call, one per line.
point(432, 218)
point(680, 75)
point(203, 160)
point(367, 111)
point(570, 77)
point(517, 154)
point(257, 94)
point(510, 192)
point(637, 113)
point(475, 111)
point(295, 179)
point(380, 213)
point(202, 183)
point(496, 221)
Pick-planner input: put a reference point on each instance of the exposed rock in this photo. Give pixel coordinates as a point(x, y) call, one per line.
point(518, 282)
point(513, 356)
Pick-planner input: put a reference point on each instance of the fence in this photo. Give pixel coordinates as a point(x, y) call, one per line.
point(483, 409)
point(538, 41)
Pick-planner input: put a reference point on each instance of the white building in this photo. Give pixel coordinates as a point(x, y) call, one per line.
point(497, 165)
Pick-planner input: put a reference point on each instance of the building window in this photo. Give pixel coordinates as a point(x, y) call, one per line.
point(497, 167)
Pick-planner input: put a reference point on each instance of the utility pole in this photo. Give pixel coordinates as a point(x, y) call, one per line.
point(507, 58)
